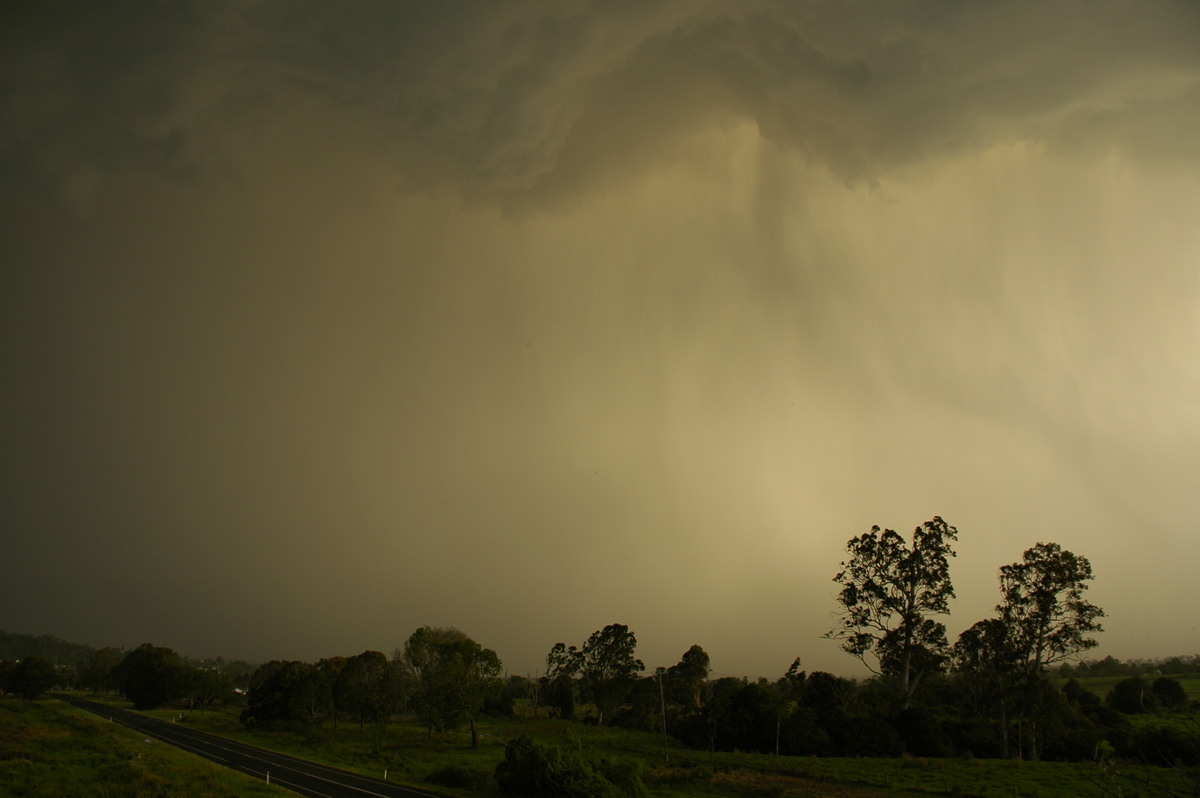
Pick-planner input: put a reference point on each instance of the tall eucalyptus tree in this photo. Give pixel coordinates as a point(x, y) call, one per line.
point(891, 592)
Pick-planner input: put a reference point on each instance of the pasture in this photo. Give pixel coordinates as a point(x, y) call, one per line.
point(447, 763)
point(48, 748)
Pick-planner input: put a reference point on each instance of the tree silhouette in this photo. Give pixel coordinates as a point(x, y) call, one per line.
point(890, 591)
point(1047, 618)
point(607, 668)
point(452, 676)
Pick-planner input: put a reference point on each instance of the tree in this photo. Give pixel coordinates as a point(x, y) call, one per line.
point(204, 686)
point(97, 670)
point(150, 676)
point(688, 677)
point(1169, 692)
point(330, 670)
point(452, 678)
point(890, 591)
point(1046, 619)
point(362, 687)
point(30, 677)
point(986, 663)
point(790, 690)
point(284, 693)
point(562, 669)
point(608, 668)
point(1043, 608)
point(1132, 696)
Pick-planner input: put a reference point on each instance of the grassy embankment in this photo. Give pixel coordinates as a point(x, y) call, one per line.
point(409, 757)
point(48, 748)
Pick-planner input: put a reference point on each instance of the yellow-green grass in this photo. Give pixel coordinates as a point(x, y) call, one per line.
point(48, 748)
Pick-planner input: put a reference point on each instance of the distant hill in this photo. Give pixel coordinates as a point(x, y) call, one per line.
point(15, 646)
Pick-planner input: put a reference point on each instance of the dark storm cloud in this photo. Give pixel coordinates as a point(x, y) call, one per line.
point(529, 317)
point(545, 100)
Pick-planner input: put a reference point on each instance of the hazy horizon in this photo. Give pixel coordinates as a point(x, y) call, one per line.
point(322, 322)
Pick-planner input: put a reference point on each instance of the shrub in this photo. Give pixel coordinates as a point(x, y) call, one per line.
point(533, 770)
point(1132, 696)
point(1169, 692)
point(30, 677)
point(1166, 746)
point(461, 777)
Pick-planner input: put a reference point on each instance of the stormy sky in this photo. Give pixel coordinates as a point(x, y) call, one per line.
point(325, 321)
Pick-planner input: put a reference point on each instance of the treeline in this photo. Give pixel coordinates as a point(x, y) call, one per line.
point(150, 676)
point(991, 693)
point(1111, 666)
point(442, 676)
point(15, 647)
point(78, 666)
point(820, 714)
point(449, 681)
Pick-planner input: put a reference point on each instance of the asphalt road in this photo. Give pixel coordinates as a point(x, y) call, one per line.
point(298, 775)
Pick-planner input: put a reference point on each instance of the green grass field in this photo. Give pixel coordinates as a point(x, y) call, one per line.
point(409, 757)
point(48, 748)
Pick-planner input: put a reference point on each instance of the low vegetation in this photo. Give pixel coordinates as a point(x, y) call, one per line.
point(570, 758)
point(48, 748)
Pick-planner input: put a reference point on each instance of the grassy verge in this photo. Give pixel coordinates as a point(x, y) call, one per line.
point(48, 748)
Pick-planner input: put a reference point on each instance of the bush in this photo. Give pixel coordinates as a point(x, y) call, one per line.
point(1169, 692)
point(532, 769)
point(30, 677)
point(873, 737)
point(922, 734)
point(461, 777)
point(1132, 696)
point(1166, 746)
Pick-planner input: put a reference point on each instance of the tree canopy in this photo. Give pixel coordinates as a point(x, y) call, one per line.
point(30, 677)
point(605, 669)
point(452, 676)
point(1042, 619)
point(1043, 609)
point(891, 591)
point(362, 687)
point(150, 676)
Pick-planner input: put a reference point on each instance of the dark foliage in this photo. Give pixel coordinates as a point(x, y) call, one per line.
point(150, 676)
point(1169, 692)
point(285, 695)
point(29, 678)
point(891, 592)
point(1167, 746)
point(1132, 696)
point(19, 646)
point(530, 769)
point(461, 777)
